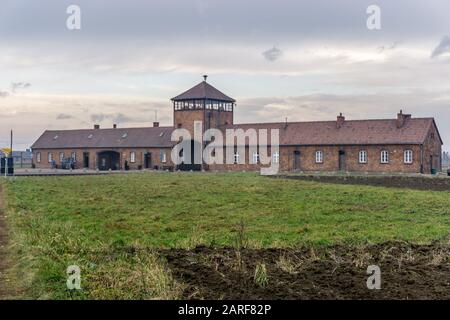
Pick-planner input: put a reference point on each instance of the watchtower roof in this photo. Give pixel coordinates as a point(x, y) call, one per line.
point(203, 90)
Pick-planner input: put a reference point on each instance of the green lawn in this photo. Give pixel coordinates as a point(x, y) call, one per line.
point(88, 220)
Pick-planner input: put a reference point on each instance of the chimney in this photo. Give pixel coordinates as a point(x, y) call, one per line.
point(156, 124)
point(340, 120)
point(402, 118)
point(114, 126)
point(96, 126)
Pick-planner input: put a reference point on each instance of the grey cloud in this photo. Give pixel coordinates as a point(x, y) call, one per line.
point(19, 85)
point(98, 117)
point(392, 46)
point(272, 54)
point(288, 19)
point(14, 86)
point(116, 117)
point(327, 106)
point(121, 118)
point(63, 116)
point(443, 47)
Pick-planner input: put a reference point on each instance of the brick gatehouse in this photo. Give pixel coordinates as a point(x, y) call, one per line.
point(402, 144)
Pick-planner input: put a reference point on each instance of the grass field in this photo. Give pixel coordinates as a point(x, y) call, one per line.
point(102, 223)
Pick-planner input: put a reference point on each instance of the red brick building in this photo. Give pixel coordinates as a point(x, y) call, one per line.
point(402, 144)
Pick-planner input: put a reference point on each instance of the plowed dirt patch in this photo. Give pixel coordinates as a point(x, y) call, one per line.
point(407, 182)
point(338, 272)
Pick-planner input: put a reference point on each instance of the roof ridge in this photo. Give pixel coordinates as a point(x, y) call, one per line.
point(101, 129)
point(329, 121)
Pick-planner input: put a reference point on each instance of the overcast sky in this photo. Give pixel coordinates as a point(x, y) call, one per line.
point(304, 60)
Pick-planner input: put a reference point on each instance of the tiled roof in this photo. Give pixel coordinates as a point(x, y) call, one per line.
point(203, 90)
point(351, 132)
point(106, 138)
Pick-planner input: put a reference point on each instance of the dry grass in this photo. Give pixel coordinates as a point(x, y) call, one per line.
point(439, 257)
point(287, 264)
point(261, 278)
point(362, 257)
point(143, 271)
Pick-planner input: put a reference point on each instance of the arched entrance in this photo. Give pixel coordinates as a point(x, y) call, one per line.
point(108, 160)
point(192, 165)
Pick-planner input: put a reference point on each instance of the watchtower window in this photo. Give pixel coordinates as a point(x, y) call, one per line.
point(208, 104)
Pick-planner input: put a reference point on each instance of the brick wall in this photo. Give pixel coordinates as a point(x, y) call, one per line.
point(209, 118)
point(186, 118)
point(432, 151)
point(124, 154)
point(307, 159)
point(216, 118)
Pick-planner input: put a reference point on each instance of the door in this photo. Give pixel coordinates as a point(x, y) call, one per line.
point(431, 165)
point(85, 159)
point(342, 166)
point(196, 158)
point(108, 160)
point(296, 160)
point(148, 160)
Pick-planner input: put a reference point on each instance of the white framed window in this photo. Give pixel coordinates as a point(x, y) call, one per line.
point(132, 157)
point(162, 156)
point(61, 156)
point(384, 156)
point(74, 156)
point(50, 157)
point(236, 158)
point(319, 157)
point(255, 158)
point(408, 156)
point(38, 157)
point(362, 156)
point(276, 157)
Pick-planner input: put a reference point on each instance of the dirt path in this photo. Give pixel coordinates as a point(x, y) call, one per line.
point(4, 291)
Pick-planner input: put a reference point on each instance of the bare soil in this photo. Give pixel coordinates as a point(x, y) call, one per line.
point(337, 272)
point(410, 182)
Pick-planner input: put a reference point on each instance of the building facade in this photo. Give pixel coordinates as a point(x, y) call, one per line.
point(402, 144)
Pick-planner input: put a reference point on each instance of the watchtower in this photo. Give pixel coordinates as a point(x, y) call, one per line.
point(203, 103)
